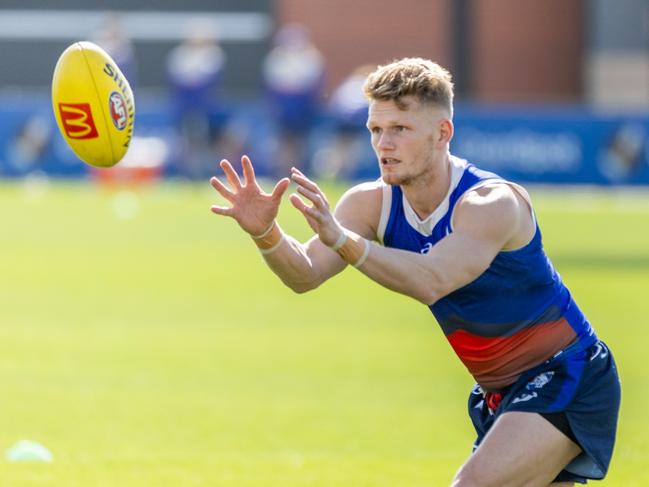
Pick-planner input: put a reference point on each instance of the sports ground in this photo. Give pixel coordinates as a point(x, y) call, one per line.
point(146, 345)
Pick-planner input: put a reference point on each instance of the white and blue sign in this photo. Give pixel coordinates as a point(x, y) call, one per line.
point(558, 145)
point(536, 144)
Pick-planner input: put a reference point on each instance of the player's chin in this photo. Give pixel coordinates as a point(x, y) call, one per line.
point(391, 178)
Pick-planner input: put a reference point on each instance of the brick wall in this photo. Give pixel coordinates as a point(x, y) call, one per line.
point(516, 50)
point(527, 50)
point(355, 32)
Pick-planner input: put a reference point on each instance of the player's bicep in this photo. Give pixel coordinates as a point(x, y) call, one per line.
point(489, 218)
point(483, 224)
point(359, 209)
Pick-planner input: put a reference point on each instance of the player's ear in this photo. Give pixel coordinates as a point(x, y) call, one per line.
point(445, 130)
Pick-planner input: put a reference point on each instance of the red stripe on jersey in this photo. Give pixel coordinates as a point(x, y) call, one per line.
point(496, 362)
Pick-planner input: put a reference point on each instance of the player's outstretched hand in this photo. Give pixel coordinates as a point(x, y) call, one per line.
point(318, 215)
point(252, 208)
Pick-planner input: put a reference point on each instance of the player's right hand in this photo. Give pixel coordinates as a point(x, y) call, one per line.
point(252, 208)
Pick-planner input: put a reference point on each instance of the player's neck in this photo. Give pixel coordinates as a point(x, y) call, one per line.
point(427, 192)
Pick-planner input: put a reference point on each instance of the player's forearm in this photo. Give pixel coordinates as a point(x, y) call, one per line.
point(293, 266)
point(405, 272)
point(288, 259)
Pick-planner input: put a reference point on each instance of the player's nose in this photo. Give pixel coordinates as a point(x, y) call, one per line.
point(385, 142)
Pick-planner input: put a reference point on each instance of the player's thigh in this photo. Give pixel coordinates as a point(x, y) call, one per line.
point(521, 449)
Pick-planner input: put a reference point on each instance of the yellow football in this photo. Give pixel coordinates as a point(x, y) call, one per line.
point(93, 104)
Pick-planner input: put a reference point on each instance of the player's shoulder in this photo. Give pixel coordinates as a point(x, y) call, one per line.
point(501, 208)
point(496, 195)
point(366, 192)
point(360, 206)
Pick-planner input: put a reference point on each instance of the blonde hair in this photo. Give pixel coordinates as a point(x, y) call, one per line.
point(427, 81)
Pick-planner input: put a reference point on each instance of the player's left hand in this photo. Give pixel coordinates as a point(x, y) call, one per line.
point(318, 215)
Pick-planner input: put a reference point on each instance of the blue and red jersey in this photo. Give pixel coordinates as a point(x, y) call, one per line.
point(515, 315)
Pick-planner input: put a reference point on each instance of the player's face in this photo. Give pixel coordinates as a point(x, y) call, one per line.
point(408, 143)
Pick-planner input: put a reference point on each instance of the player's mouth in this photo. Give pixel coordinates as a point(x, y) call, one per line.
point(389, 161)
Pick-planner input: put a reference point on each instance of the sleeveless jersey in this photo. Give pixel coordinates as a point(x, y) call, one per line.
point(515, 315)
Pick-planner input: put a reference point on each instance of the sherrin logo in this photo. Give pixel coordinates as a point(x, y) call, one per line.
point(118, 112)
point(77, 120)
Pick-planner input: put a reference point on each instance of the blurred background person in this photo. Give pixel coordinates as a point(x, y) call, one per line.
point(293, 75)
point(195, 73)
point(27, 147)
point(112, 37)
point(345, 152)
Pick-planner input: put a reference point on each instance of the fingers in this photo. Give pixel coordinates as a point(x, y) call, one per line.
point(280, 188)
point(313, 193)
point(302, 180)
point(297, 202)
point(222, 210)
point(248, 170)
point(311, 215)
point(222, 189)
point(309, 189)
point(316, 198)
point(311, 212)
point(231, 174)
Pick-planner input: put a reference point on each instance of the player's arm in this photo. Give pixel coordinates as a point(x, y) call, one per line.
point(486, 221)
point(301, 266)
point(304, 266)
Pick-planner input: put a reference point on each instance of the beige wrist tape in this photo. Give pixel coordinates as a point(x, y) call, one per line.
point(354, 249)
point(265, 232)
point(270, 240)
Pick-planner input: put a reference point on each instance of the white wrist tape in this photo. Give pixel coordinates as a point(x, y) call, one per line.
point(340, 242)
point(265, 233)
point(363, 258)
point(273, 248)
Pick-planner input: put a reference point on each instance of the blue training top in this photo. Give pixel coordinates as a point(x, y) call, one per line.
point(513, 316)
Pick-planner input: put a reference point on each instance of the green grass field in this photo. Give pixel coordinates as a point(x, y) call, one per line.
point(146, 345)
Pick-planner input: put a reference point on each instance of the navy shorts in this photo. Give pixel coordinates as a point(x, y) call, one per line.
point(584, 385)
